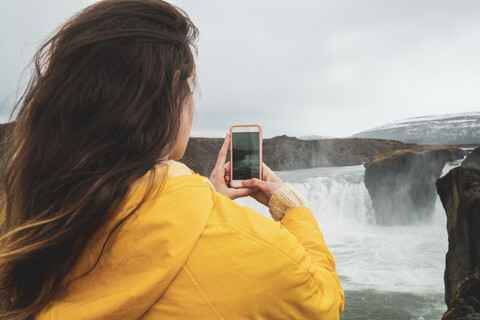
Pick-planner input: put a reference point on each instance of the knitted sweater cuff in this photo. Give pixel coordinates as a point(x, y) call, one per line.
point(283, 200)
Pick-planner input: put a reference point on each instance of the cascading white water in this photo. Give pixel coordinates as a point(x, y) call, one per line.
point(374, 261)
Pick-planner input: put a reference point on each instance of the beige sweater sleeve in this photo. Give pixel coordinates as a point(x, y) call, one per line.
point(283, 200)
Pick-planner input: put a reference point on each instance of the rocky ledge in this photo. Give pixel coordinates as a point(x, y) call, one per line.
point(401, 183)
point(459, 191)
point(473, 159)
point(288, 153)
point(283, 152)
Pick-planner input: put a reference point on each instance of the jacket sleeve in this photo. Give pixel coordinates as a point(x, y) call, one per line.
point(318, 260)
point(274, 270)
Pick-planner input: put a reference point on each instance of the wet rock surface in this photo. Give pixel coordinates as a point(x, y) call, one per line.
point(401, 183)
point(459, 192)
point(465, 305)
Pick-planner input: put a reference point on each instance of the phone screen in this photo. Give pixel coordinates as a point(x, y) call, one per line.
point(245, 155)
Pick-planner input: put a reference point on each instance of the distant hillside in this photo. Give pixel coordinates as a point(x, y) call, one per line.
point(452, 129)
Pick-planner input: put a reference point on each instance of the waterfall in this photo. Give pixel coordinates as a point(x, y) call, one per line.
point(374, 262)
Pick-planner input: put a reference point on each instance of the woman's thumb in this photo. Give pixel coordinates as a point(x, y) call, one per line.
point(253, 183)
point(268, 188)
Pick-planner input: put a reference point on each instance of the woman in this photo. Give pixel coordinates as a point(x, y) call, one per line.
point(98, 219)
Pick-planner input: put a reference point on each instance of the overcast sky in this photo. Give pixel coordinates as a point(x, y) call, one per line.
point(329, 68)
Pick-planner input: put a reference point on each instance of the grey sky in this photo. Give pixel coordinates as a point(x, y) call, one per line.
point(330, 68)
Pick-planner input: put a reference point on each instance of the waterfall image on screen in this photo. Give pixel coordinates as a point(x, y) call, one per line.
point(245, 155)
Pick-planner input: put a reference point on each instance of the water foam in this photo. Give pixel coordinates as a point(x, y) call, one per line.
point(384, 258)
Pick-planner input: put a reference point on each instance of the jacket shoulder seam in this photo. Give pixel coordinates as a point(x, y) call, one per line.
point(202, 292)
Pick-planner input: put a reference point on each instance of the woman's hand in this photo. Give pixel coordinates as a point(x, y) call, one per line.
point(262, 190)
point(221, 175)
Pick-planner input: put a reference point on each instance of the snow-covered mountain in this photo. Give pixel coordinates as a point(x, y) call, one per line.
point(314, 137)
point(457, 129)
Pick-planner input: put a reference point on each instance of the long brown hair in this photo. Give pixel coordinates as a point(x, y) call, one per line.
point(102, 109)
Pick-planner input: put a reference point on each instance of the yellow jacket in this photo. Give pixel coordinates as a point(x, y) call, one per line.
point(192, 253)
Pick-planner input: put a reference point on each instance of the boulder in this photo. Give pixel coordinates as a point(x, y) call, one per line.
point(459, 192)
point(401, 183)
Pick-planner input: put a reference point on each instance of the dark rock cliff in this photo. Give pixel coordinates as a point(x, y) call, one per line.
point(401, 183)
point(466, 303)
point(459, 191)
point(473, 159)
point(288, 153)
point(283, 153)
point(201, 154)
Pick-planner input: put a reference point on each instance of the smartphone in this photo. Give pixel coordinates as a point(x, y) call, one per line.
point(245, 153)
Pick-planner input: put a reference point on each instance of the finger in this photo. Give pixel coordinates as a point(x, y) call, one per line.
point(253, 183)
point(269, 176)
point(266, 187)
point(265, 167)
point(265, 171)
point(239, 193)
point(222, 154)
point(227, 167)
